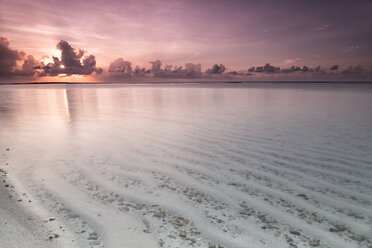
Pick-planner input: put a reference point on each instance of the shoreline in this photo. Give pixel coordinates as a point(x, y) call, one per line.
point(19, 226)
point(207, 82)
point(21, 217)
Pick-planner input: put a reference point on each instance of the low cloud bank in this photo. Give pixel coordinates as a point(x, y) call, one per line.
point(76, 61)
point(10, 58)
point(122, 68)
point(216, 69)
point(269, 69)
point(72, 62)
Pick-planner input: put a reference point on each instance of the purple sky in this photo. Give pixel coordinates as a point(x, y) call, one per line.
point(238, 34)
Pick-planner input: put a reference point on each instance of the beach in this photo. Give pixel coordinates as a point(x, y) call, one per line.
point(190, 165)
point(19, 227)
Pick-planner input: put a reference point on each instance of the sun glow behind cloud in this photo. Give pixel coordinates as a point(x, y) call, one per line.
point(52, 53)
point(68, 78)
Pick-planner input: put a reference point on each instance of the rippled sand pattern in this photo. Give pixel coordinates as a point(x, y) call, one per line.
point(255, 165)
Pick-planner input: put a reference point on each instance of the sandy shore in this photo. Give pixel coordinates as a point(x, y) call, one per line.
point(19, 227)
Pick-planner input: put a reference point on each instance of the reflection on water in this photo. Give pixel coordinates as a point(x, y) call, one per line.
point(228, 159)
point(59, 108)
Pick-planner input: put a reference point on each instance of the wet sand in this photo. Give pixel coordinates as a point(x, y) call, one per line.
point(22, 224)
point(19, 227)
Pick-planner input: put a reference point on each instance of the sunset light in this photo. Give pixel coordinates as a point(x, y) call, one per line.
point(243, 36)
point(186, 124)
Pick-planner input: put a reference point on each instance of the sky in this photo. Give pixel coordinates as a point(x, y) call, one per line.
point(236, 34)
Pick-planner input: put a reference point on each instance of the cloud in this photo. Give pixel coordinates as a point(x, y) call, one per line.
point(155, 65)
point(70, 57)
point(270, 69)
point(357, 73)
point(156, 68)
point(193, 70)
point(8, 58)
point(267, 68)
point(299, 69)
point(122, 68)
point(354, 70)
point(356, 47)
point(72, 62)
point(76, 61)
point(28, 66)
point(189, 70)
point(216, 69)
point(322, 27)
point(120, 65)
point(291, 61)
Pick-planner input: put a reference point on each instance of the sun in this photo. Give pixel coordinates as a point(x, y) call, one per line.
point(49, 59)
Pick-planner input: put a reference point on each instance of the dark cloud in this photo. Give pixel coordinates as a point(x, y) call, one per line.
point(72, 62)
point(28, 66)
point(70, 57)
point(140, 72)
point(354, 70)
point(123, 68)
point(190, 70)
point(270, 69)
point(267, 68)
point(155, 65)
point(193, 70)
point(156, 68)
point(78, 62)
point(299, 69)
point(8, 58)
point(216, 69)
point(333, 72)
point(239, 73)
point(120, 65)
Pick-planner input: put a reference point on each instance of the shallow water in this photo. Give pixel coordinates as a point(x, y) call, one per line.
point(192, 165)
